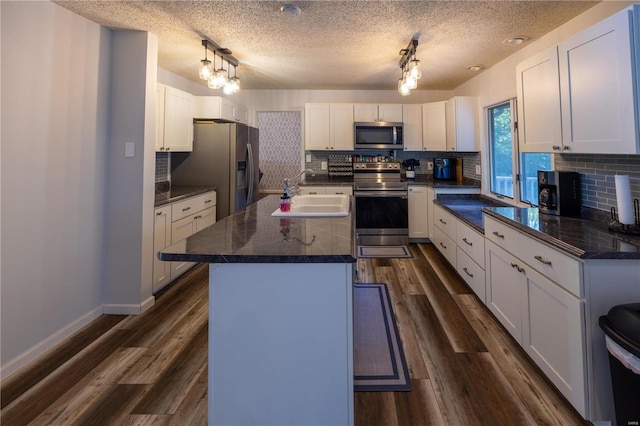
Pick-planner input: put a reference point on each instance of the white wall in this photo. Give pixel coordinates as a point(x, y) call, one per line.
point(55, 75)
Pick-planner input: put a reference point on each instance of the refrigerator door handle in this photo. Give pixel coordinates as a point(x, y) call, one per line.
point(251, 172)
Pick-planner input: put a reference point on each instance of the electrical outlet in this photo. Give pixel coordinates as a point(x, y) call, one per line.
point(429, 166)
point(478, 171)
point(308, 158)
point(324, 165)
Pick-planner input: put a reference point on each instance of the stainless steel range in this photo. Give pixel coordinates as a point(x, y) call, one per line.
point(382, 214)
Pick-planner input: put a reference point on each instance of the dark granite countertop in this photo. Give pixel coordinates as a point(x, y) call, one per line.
point(420, 179)
point(468, 207)
point(177, 193)
point(254, 236)
point(581, 237)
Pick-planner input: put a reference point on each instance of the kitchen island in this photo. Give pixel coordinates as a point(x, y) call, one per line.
point(280, 316)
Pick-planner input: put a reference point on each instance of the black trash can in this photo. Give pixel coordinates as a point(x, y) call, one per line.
point(622, 329)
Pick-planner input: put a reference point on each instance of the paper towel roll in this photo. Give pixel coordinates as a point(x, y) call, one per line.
point(623, 197)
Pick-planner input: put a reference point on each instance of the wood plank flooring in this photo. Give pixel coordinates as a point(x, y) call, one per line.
point(152, 369)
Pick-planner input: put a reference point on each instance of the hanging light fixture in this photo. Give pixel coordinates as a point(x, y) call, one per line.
point(410, 67)
point(219, 78)
point(206, 68)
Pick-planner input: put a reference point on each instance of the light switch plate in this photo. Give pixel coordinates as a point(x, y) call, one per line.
point(324, 165)
point(429, 166)
point(308, 158)
point(129, 149)
point(478, 171)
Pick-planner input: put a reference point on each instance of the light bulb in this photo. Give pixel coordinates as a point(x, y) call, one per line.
point(402, 87)
point(410, 81)
point(206, 69)
point(228, 88)
point(414, 69)
point(235, 82)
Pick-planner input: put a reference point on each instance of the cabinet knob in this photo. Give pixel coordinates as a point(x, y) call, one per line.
point(158, 213)
point(167, 148)
point(566, 148)
point(556, 148)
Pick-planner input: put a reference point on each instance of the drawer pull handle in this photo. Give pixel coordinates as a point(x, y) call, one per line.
point(159, 214)
point(186, 209)
point(465, 240)
point(497, 234)
point(543, 260)
point(515, 265)
point(443, 246)
point(198, 217)
point(467, 272)
point(339, 193)
point(444, 222)
point(208, 201)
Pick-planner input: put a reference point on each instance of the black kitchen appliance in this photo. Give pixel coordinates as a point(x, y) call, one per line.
point(444, 169)
point(559, 192)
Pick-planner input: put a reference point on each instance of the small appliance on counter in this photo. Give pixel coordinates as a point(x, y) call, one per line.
point(559, 192)
point(444, 169)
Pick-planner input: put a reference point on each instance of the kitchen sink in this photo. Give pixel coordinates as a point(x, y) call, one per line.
point(317, 206)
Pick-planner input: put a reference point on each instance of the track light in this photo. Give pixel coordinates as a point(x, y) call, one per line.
point(219, 78)
point(410, 67)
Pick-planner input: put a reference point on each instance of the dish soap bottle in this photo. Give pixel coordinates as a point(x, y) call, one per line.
point(285, 203)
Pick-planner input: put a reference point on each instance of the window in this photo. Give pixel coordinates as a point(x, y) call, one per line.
point(506, 172)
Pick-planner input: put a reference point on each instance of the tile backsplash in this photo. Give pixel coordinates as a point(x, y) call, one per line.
point(597, 175)
point(162, 166)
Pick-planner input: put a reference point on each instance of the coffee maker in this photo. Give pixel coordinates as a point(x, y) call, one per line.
point(559, 192)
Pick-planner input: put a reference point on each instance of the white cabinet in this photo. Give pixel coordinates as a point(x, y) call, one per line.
point(538, 87)
point(328, 127)
point(536, 293)
point(412, 127)
point(161, 240)
point(461, 119)
point(418, 212)
point(219, 108)
point(431, 195)
point(378, 112)
point(578, 97)
point(597, 80)
point(326, 189)
point(178, 121)
point(160, 90)
point(434, 127)
point(172, 225)
point(445, 234)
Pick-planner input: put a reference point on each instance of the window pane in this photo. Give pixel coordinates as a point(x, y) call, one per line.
point(530, 163)
point(501, 150)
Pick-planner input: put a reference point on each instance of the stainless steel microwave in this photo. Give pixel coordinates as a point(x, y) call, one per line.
point(378, 135)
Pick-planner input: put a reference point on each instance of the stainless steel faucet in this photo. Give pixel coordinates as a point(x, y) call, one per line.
point(295, 190)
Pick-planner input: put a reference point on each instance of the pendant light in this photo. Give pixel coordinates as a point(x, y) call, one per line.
point(219, 78)
point(206, 68)
point(410, 67)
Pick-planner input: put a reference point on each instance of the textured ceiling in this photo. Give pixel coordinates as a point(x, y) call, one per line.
point(335, 44)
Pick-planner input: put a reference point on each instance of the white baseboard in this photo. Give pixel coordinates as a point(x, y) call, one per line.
point(129, 309)
point(47, 344)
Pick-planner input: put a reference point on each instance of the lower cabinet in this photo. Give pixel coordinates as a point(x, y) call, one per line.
point(173, 224)
point(326, 189)
point(418, 212)
point(543, 317)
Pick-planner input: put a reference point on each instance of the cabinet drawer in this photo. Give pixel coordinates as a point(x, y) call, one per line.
point(471, 273)
point(446, 245)
point(205, 201)
point(471, 242)
point(313, 190)
point(555, 265)
point(445, 221)
point(184, 208)
point(345, 190)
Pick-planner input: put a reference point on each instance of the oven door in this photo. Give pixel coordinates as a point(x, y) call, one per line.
point(382, 217)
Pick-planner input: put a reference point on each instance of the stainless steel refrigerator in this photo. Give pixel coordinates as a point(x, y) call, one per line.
point(225, 155)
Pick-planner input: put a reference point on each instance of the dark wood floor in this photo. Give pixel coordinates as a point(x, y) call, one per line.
point(152, 369)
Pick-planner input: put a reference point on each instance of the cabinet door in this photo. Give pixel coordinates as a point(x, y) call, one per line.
point(161, 240)
point(505, 288)
point(180, 230)
point(434, 127)
point(160, 90)
point(178, 122)
point(418, 220)
point(412, 128)
point(341, 126)
point(204, 219)
point(596, 79)
point(431, 195)
point(242, 115)
point(316, 127)
point(365, 113)
point(553, 336)
point(390, 113)
point(538, 87)
point(460, 118)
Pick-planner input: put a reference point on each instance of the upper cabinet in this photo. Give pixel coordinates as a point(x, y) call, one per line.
point(174, 124)
point(434, 127)
point(461, 129)
point(377, 112)
point(219, 108)
point(588, 98)
point(412, 127)
point(328, 127)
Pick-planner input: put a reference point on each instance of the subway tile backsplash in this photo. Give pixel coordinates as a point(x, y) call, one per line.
point(162, 166)
point(597, 174)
